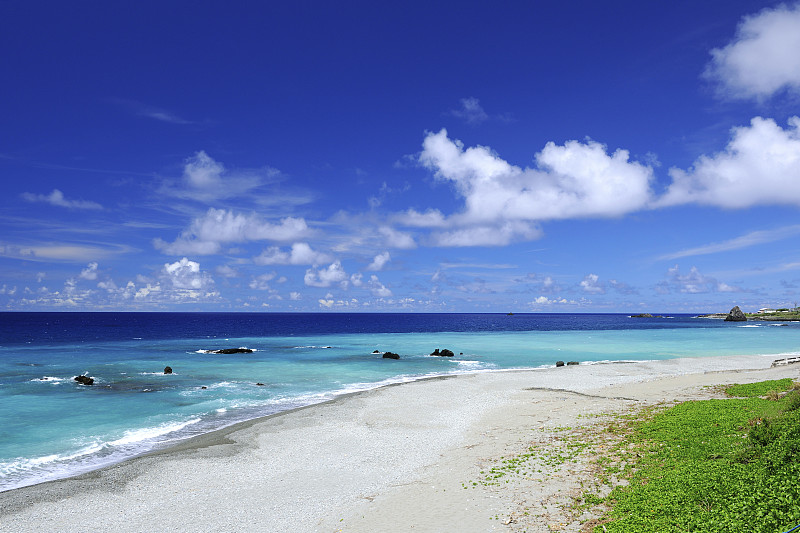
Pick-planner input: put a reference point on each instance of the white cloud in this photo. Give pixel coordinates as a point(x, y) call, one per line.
point(471, 111)
point(185, 274)
point(207, 180)
point(326, 277)
point(294, 296)
point(261, 282)
point(300, 254)
point(207, 233)
point(90, 272)
point(377, 288)
point(693, 282)
point(226, 271)
point(325, 303)
point(743, 241)
point(764, 57)
point(46, 252)
point(487, 235)
point(107, 285)
point(576, 180)
point(760, 165)
point(432, 218)
point(591, 284)
point(379, 261)
point(11, 291)
point(397, 239)
point(544, 300)
point(57, 198)
point(180, 282)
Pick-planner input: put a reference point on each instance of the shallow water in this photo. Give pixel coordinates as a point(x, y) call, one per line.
point(51, 427)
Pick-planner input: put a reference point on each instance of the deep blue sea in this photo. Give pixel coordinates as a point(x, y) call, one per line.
point(52, 427)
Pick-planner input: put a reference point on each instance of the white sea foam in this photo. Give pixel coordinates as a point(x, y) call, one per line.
point(49, 379)
point(24, 471)
point(145, 434)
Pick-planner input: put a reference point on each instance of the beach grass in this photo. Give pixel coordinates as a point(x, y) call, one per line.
point(713, 465)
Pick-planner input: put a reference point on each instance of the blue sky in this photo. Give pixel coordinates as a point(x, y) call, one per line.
point(373, 156)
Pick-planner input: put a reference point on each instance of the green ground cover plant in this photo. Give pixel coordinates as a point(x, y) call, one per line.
point(714, 465)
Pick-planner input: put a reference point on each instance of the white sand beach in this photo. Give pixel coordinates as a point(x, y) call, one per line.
point(398, 458)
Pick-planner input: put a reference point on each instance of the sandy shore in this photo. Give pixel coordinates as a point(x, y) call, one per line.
point(399, 458)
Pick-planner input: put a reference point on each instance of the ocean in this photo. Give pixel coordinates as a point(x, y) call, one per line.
point(53, 427)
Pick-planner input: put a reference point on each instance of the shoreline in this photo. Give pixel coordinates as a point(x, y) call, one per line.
point(301, 469)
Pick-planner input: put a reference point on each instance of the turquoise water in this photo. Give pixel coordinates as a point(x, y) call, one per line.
point(51, 427)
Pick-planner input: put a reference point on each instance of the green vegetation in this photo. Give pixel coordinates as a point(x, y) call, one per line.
point(780, 315)
point(710, 466)
point(761, 388)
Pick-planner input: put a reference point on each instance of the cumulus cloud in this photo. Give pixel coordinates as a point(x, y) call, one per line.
point(205, 180)
point(379, 261)
point(544, 300)
point(176, 283)
point(377, 288)
point(760, 165)
point(185, 274)
point(300, 254)
point(592, 285)
point(57, 198)
point(90, 272)
point(763, 59)
point(574, 180)
point(207, 233)
point(326, 277)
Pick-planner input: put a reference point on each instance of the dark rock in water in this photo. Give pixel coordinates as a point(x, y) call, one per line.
point(572, 363)
point(168, 370)
point(84, 380)
point(232, 350)
point(390, 355)
point(736, 315)
point(647, 315)
point(260, 384)
point(559, 363)
point(443, 353)
point(204, 387)
point(376, 351)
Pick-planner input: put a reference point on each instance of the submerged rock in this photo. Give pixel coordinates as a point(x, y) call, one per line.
point(390, 355)
point(376, 351)
point(736, 315)
point(168, 370)
point(84, 380)
point(230, 350)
